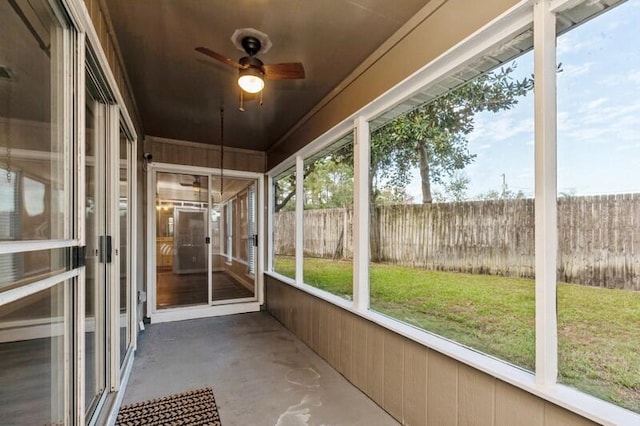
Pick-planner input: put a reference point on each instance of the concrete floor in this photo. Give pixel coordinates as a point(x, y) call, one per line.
point(261, 374)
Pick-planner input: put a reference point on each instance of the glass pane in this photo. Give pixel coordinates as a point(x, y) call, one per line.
point(328, 217)
point(18, 269)
point(284, 224)
point(241, 231)
point(32, 357)
point(230, 275)
point(34, 191)
point(599, 206)
point(96, 273)
point(124, 318)
point(452, 208)
point(252, 241)
point(181, 255)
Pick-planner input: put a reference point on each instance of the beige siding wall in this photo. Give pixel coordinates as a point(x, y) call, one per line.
point(445, 23)
point(203, 155)
point(416, 385)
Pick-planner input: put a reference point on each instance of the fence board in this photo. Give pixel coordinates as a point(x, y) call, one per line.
point(598, 237)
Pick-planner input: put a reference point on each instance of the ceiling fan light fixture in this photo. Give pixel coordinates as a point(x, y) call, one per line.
point(251, 80)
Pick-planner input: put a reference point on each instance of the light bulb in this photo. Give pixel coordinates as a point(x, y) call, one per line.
point(251, 83)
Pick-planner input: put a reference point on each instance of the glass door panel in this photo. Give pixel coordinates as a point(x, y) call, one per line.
point(35, 189)
point(233, 234)
point(124, 317)
point(32, 367)
point(181, 232)
point(37, 49)
point(96, 271)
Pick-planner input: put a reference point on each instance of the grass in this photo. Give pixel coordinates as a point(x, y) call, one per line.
point(598, 329)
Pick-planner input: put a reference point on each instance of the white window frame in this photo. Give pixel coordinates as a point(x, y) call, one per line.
point(543, 383)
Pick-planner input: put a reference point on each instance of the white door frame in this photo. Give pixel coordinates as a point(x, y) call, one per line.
point(208, 310)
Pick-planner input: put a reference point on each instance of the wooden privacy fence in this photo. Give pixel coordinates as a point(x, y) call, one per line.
point(599, 237)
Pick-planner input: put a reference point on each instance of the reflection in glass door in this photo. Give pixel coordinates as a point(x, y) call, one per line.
point(124, 316)
point(206, 238)
point(96, 270)
point(234, 240)
point(181, 233)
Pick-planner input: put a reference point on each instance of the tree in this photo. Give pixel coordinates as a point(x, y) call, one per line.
point(432, 137)
point(328, 182)
point(330, 185)
point(493, 195)
point(454, 190)
point(285, 189)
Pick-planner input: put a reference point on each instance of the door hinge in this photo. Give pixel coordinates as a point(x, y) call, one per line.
point(77, 256)
point(207, 240)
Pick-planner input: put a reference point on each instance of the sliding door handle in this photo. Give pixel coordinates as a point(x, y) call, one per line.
point(105, 248)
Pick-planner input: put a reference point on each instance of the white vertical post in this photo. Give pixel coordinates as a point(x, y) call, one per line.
point(80, 179)
point(270, 216)
point(299, 219)
point(112, 174)
point(210, 236)
point(151, 241)
point(259, 217)
point(132, 239)
point(361, 214)
point(546, 235)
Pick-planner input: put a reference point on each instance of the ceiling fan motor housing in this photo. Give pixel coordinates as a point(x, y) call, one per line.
point(252, 62)
point(251, 45)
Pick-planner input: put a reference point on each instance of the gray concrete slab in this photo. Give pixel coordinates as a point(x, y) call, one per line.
point(261, 374)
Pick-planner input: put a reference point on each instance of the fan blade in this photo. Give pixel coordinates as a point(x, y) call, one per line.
point(210, 53)
point(290, 71)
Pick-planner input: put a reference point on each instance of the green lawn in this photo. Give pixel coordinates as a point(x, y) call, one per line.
point(598, 329)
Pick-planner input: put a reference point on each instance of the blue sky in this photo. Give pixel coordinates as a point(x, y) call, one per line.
point(598, 116)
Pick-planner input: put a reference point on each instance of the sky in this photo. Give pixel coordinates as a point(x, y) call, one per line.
point(598, 116)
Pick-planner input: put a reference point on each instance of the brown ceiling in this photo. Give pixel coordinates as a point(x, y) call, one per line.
point(179, 92)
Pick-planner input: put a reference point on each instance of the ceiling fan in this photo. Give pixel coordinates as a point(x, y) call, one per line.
point(252, 71)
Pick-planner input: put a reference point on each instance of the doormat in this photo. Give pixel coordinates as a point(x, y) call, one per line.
point(196, 407)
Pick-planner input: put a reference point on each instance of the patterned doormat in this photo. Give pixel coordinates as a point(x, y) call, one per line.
point(196, 407)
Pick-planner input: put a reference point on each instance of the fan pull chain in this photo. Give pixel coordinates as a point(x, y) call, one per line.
point(222, 149)
point(241, 107)
point(8, 165)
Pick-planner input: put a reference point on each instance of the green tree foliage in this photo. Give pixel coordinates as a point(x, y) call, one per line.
point(502, 195)
point(330, 185)
point(432, 137)
point(328, 182)
point(285, 191)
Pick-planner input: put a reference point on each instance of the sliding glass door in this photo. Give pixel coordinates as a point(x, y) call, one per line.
point(97, 273)
point(205, 239)
point(38, 282)
point(107, 285)
point(181, 237)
